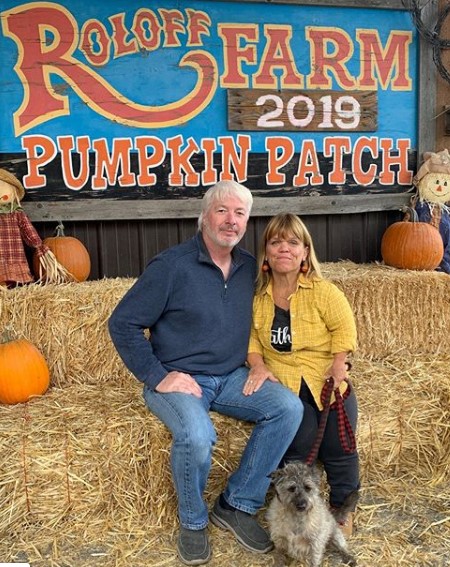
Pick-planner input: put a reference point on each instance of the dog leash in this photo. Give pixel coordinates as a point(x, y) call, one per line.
point(346, 435)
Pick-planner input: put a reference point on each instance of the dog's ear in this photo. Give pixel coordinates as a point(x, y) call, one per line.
point(275, 475)
point(315, 473)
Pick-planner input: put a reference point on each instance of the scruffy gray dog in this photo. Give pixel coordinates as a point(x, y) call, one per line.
point(300, 523)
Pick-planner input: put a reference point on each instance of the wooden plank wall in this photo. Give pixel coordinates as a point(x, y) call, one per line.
point(123, 248)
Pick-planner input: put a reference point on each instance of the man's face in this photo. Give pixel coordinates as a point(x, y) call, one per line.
point(225, 222)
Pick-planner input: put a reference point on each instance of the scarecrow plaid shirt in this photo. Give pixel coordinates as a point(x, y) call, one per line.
point(15, 230)
point(322, 324)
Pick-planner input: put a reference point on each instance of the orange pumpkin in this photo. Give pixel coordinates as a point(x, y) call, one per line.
point(70, 253)
point(23, 372)
point(412, 245)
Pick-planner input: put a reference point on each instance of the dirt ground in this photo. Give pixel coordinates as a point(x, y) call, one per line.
point(396, 524)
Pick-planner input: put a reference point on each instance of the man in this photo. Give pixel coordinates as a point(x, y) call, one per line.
point(196, 299)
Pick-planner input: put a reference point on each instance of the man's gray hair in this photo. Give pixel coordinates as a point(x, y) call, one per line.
point(221, 191)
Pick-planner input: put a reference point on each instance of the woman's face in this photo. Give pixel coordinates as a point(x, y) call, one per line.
point(285, 255)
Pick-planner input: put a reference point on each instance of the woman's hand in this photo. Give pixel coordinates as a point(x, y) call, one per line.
point(257, 375)
point(338, 369)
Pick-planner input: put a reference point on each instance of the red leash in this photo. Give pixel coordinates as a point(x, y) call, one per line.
point(346, 435)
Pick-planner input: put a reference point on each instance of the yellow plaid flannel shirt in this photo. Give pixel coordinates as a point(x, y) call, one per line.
point(322, 324)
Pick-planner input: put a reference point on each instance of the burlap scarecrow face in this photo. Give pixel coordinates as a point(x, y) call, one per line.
point(11, 189)
point(433, 178)
point(435, 187)
point(7, 193)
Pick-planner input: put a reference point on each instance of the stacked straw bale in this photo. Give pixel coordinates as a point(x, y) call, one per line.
point(97, 455)
point(398, 312)
point(88, 461)
point(68, 323)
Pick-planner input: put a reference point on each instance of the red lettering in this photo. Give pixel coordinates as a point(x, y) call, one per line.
point(28, 27)
point(230, 158)
point(323, 62)
point(198, 25)
point(384, 60)
point(66, 146)
point(278, 55)
point(173, 25)
point(120, 156)
point(95, 43)
point(234, 54)
point(147, 29)
point(180, 161)
point(280, 152)
point(123, 45)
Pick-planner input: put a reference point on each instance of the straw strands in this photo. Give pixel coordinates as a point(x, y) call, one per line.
point(85, 474)
point(397, 311)
point(97, 455)
point(68, 323)
point(85, 469)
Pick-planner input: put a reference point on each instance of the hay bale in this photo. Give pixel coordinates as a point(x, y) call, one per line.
point(403, 418)
point(95, 456)
point(85, 455)
point(84, 470)
point(398, 312)
point(68, 323)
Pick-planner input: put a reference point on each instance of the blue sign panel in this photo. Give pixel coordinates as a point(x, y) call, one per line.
point(160, 99)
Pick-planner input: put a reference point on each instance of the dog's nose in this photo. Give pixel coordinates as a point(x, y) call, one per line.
point(300, 504)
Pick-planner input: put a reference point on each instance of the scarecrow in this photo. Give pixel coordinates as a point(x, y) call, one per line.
point(15, 231)
point(432, 198)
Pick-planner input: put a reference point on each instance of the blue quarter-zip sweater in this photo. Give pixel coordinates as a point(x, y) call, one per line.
point(199, 323)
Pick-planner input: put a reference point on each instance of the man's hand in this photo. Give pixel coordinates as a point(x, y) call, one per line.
point(179, 382)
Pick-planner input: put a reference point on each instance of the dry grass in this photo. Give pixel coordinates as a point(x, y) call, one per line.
point(398, 312)
point(84, 470)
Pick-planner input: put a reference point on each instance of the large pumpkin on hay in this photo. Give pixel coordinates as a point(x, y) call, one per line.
point(23, 371)
point(412, 245)
point(70, 253)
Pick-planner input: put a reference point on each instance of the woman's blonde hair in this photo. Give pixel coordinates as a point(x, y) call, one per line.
point(285, 225)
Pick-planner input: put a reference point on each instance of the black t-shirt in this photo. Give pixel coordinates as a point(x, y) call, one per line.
point(281, 330)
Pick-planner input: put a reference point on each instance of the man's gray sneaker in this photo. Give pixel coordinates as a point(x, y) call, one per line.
point(193, 546)
point(244, 526)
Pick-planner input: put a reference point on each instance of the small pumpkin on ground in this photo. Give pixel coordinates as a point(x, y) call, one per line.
point(412, 245)
point(70, 253)
point(23, 371)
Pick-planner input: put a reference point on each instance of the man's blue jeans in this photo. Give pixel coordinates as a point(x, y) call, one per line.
point(277, 414)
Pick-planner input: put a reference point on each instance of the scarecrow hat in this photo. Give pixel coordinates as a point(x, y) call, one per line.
point(433, 163)
point(12, 180)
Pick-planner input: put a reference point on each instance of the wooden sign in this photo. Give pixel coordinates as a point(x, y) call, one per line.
point(302, 110)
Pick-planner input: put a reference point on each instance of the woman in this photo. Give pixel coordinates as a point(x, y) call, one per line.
point(303, 331)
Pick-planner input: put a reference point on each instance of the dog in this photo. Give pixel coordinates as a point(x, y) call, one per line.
point(300, 524)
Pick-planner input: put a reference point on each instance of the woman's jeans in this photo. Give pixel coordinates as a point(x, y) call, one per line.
point(274, 409)
point(342, 469)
